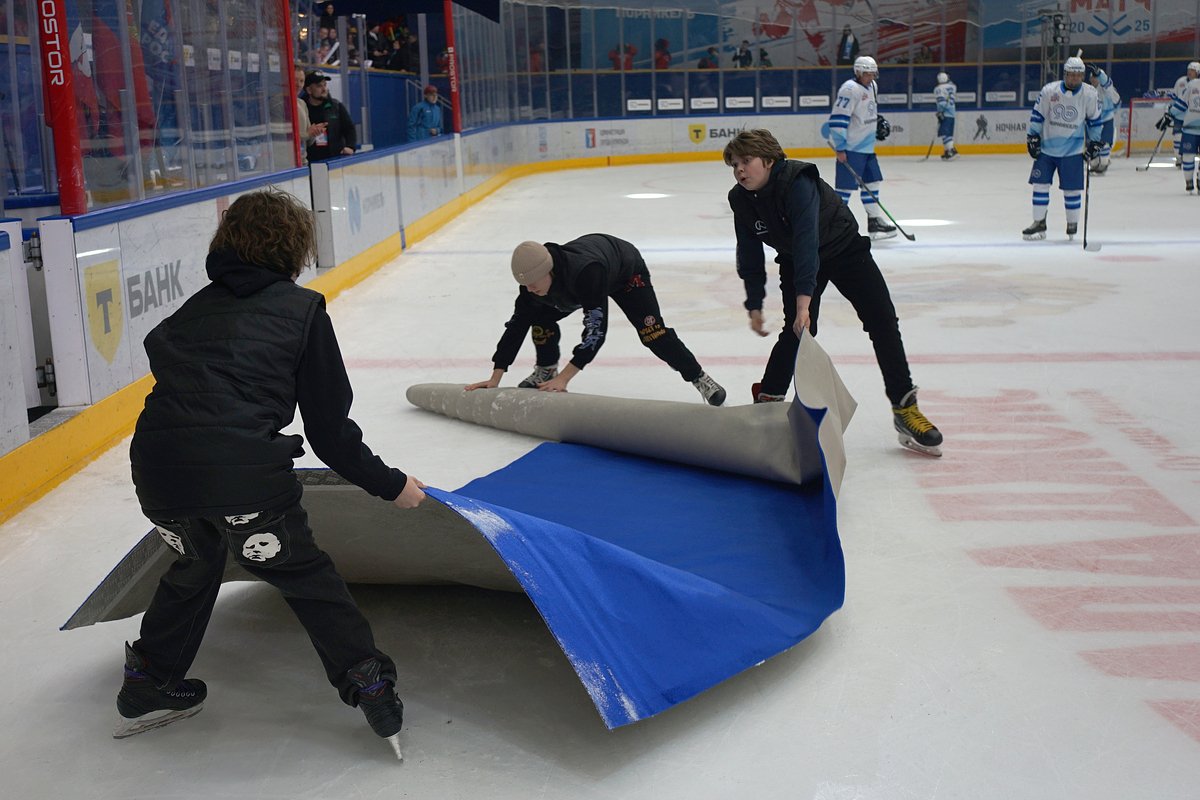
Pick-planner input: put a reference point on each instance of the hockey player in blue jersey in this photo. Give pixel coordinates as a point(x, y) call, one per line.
point(943, 95)
point(1063, 127)
point(1186, 106)
point(853, 128)
point(1109, 100)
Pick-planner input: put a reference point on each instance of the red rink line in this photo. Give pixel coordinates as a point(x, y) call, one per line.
point(484, 364)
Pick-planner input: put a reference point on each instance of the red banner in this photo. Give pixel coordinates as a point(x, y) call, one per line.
point(60, 104)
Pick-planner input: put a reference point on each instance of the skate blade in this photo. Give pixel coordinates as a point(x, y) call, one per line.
point(876, 235)
point(1033, 237)
point(148, 722)
point(911, 444)
point(394, 741)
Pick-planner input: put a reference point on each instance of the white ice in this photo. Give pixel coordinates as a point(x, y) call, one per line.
point(949, 673)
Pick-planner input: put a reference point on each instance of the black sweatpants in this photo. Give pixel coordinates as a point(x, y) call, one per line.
point(640, 306)
point(856, 275)
point(276, 547)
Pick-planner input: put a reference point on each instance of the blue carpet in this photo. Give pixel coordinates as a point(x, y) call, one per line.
point(659, 580)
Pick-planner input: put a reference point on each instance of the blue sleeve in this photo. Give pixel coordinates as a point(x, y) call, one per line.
point(804, 212)
point(414, 123)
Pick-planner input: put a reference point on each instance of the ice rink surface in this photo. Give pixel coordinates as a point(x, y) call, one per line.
point(1022, 617)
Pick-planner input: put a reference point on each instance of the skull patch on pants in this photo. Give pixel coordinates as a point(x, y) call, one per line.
point(261, 547)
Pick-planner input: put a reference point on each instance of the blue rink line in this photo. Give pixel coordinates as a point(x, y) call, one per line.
point(659, 580)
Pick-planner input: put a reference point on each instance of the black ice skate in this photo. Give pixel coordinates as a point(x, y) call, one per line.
point(949, 155)
point(539, 376)
point(762, 397)
point(1035, 231)
point(916, 432)
point(878, 229)
point(144, 706)
point(378, 701)
point(1072, 229)
point(1189, 186)
point(709, 389)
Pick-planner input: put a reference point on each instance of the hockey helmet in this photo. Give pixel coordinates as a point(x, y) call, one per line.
point(864, 64)
point(1074, 64)
point(942, 78)
point(1194, 67)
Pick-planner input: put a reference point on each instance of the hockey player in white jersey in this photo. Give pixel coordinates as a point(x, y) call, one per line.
point(1109, 100)
point(1172, 115)
point(943, 95)
point(1063, 127)
point(853, 128)
point(1187, 109)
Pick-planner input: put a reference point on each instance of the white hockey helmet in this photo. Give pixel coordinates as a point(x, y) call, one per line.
point(1194, 67)
point(942, 78)
point(864, 64)
point(1074, 64)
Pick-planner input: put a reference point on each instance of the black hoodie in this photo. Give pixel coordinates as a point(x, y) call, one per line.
point(231, 366)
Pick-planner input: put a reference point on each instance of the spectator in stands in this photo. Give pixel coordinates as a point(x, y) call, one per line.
point(622, 57)
point(412, 54)
point(742, 57)
point(443, 60)
point(662, 54)
point(764, 58)
point(302, 124)
point(425, 119)
point(710, 59)
point(397, 59)
point(331, 52)
point(330, 131)
point(377, 46)
point(847, 49)
point(328, 19)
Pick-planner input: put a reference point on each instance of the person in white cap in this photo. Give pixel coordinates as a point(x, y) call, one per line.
point(943, 95)
point(557, 280)
point(1064, 127)
point(853, 128)
point(1186, 105)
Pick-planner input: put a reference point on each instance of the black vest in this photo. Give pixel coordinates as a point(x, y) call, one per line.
point(208, 442)
point(837, 227)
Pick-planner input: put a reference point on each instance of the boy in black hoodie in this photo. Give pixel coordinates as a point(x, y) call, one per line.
point(213, 471)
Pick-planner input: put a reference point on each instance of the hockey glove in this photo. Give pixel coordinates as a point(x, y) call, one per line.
point(883, 128)
point(1093, 149)
point(1033, 143)
point(941, 117)
point(1090, 71)
point(1166, 121)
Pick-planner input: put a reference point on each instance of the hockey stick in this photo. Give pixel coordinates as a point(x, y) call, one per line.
point(929, 152)
point(1092, 247)
point(875, 197)
point(1153, 155)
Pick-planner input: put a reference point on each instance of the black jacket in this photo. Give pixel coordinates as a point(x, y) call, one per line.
point(340, 130)
point(801, 217)
point(587, 271)
point(231, 366)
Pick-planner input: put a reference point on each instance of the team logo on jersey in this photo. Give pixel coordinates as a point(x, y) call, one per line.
point(696, 133)
point(105, 308)
point(1054, 98)
point(648, 321)
point(1064, 113)
point(760, 227)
